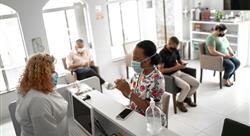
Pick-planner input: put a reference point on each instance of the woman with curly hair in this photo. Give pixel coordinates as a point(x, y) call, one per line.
point(41, 111)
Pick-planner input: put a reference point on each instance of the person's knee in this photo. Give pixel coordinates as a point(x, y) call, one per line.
point(196, 84)
point(185, 87)
point(229, 67)
point(237, 64)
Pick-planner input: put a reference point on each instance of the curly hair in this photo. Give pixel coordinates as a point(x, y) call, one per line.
point(37, 74)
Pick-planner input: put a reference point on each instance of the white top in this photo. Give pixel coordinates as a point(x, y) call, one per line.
point(77, 59)
point(40, 114)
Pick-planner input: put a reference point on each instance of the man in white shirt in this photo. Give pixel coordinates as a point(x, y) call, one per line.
point(81, 61)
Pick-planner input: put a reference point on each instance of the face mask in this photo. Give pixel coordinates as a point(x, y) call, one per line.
point(137, 65)
point(80, 50)
point(221, 35)
point(54, 78)
point(173, 49)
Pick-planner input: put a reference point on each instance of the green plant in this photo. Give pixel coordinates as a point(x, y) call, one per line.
point(219, 15)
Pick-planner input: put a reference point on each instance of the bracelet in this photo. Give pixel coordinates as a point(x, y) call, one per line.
point(130, 95)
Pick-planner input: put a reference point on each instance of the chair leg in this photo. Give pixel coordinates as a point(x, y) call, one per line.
point(127, 70)
point(195, 97)
point(234, 77)
point(214, 73)
point(220, 80)
point(174, 102)
point(201, 74)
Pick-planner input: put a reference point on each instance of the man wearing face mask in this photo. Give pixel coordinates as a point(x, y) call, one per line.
point(172, 65)
point(218, 45)
point(81, 61)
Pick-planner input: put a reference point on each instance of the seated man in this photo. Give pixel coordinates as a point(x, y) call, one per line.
point(80, 61)
point(172, 65)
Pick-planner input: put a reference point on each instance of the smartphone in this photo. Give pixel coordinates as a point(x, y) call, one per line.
point(124, 114)
point(185, 63)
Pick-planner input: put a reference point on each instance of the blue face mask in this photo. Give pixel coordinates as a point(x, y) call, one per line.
point(54, 78)
point(137, 64)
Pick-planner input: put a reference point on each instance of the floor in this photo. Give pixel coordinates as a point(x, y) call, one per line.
point(214, 105)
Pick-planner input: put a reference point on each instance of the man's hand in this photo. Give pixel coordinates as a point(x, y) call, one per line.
point(180, 66)
point(161, 68)
point(84, 64)
point(123, 86)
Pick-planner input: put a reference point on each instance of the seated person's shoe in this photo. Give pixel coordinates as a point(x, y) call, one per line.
point(189, 102)
point(181, 107)
point(227, 85)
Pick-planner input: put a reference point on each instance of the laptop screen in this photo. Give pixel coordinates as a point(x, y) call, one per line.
point(82, 114)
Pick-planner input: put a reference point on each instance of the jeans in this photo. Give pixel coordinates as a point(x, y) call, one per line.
point(84, 73)
point(230, 65)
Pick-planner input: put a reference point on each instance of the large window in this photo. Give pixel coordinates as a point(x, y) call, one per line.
point(65, 22)
point(134, 20)
point(124, 25)
point(12, 51)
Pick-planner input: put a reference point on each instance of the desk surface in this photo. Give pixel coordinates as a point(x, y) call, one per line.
point(135, 124)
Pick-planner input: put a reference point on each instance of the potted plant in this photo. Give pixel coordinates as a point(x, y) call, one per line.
point(219, 15)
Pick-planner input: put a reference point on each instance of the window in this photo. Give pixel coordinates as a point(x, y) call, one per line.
point(124, 25)
point(65, 22)
point(12, 53)
point(133, 20)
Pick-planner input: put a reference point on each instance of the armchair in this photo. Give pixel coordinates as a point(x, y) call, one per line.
point(209, 62)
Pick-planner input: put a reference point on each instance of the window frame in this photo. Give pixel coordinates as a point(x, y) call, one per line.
point(124, 42)
point(4, 69)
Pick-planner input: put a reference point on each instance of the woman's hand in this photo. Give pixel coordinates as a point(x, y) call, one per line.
point(227, 56)
point(123, 86)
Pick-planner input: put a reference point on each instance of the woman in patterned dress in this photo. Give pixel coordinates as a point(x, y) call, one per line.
point(148, 82)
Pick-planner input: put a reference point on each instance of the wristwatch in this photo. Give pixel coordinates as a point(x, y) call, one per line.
point(130, 95)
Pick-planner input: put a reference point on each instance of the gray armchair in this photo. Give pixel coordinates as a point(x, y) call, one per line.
point(172, 88)
point(214, 63)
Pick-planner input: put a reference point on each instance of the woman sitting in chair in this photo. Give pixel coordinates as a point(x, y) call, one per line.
point(218, 45)
point(148, 82)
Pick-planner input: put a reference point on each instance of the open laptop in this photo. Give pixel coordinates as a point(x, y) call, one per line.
point(83, 115)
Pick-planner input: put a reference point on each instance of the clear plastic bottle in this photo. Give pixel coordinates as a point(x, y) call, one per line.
point(153, 116)
point(198, 12)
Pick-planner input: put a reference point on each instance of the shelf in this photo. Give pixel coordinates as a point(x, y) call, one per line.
point(232, 35)
point(198, 40)
point(213, 22)
point(234, 44)
point(207, 33)
point(200, 32)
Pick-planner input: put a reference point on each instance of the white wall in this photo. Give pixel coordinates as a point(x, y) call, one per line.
point(31, 19)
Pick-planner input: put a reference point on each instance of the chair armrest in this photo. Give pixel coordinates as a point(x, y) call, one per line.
point(211, 62)
point(190, 71)
point(170, 85)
